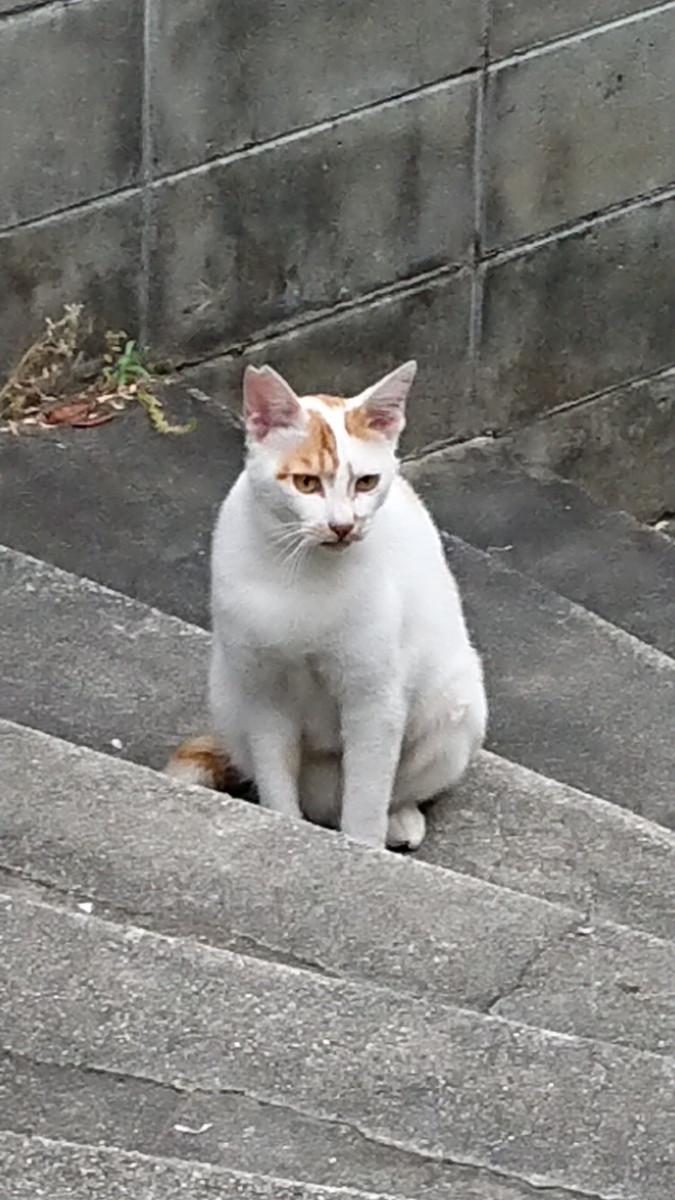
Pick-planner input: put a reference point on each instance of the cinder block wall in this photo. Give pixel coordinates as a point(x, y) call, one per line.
point(334, 185)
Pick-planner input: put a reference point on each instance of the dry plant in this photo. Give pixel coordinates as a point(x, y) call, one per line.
point(45, 388)
point(47, 367)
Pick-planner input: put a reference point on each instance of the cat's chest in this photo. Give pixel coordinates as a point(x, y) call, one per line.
point(285, 623)
point(311, 694)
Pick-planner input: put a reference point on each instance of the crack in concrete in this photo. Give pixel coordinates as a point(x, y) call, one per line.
point(183, 1091)
point(50, 890)
point(235, 941)
point(150, 921)
point(529, 966)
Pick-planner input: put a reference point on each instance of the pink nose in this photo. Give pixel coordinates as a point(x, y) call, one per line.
point(341, 531)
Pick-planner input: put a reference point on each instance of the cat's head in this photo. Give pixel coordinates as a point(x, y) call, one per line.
point(322, 466)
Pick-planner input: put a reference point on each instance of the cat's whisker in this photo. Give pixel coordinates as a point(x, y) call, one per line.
point(287, 533)
point(296, 557)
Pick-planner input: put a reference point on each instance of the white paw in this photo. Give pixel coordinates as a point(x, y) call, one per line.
point(407, 828)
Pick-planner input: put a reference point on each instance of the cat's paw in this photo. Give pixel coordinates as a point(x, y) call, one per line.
point(406, 829)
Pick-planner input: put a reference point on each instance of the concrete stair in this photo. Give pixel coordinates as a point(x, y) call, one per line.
point(552, 530)
point(435, 1081)
point(200, 998)
point(572, 696)
point(188, 863)
point(41, 1166)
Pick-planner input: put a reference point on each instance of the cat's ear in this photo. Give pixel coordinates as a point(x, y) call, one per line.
point(269, 403)
point(384, 404)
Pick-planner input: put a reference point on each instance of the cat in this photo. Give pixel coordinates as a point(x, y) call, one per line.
point(342, 681)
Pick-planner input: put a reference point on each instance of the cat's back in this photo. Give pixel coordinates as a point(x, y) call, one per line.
point(416, 557)
point(411, 532)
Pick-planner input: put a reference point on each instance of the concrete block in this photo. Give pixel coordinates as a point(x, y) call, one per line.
point(517, 24)
point(619, 447)
point(578, 315)
point(229, 75)
point(70, 120)
point(336, 213)
point(580, 128)
point(91, 255)
point(347, 351)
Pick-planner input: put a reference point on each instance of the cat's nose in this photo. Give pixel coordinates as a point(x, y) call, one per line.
point(342, 532)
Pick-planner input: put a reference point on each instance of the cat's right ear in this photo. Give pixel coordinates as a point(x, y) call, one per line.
point(269, 403)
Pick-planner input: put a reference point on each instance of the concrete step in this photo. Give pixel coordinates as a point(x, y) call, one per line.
point(224, 1129)
point(61, 1170)
point(571, 696)
point(186, 861)
point(438, 1083)
point(99, 503)
point(33, 1166)
point(122, 504)
point(551, 529)
point(90, 665)
point(513, 827)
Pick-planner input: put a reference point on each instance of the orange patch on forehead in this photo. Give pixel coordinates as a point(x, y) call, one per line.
point(357, 424)
point(316, 455)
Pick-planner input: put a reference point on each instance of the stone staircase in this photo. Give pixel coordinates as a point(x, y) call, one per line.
point(202, 999)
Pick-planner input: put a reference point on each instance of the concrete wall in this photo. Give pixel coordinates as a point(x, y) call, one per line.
point(336, 184)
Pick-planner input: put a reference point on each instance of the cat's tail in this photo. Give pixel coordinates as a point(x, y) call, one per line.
point(201, 760)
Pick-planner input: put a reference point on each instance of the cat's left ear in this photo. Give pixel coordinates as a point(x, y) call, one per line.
point(384, 404)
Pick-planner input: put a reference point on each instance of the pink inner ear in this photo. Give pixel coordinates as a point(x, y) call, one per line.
point(269, 403)
point(385, 418)
point(272, 414)
point(385, 406)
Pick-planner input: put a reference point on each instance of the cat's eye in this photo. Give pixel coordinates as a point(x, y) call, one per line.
point(367, 483)
point(307, 484)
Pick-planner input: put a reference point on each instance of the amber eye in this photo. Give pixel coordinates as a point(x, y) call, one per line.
point(307, 484)
point(367, 483)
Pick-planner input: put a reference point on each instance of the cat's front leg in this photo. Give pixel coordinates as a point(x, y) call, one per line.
point(274, 746)
point(372, 732)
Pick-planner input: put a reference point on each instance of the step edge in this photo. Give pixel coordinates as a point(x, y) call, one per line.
point(137, 934)
point(214, 1170)
point(501, 450)
point(642, 651)
point(419, 866)
point(93, 586)
point(614, 812)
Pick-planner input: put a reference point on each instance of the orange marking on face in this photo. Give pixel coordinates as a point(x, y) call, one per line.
point(357, 424)
point(316, 455)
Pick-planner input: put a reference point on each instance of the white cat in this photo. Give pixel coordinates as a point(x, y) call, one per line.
point(342, 678)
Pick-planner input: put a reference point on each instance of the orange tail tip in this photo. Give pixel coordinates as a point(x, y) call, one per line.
point(200, 760)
